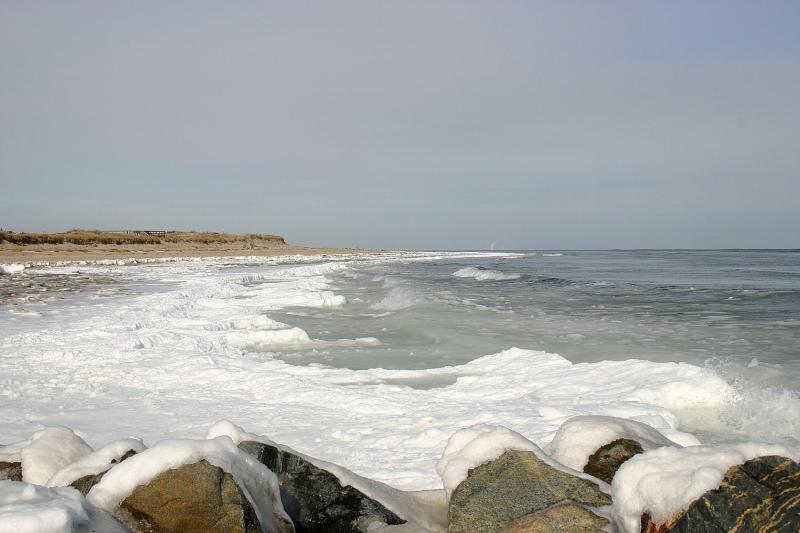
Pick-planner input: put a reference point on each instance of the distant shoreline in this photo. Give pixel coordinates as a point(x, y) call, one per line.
point(174, 245)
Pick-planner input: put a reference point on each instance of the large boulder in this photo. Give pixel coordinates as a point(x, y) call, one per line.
point(605, 462)
point(763, 494)
point(521, 492)
point(194, 497)
point(182, 485)
point(315, 499)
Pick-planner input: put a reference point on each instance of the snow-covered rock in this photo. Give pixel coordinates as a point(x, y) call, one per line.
point(581, 436)
point(96, 462)
point(45, 453)
point(500, 478)
point(256, 482)
point(664, 481)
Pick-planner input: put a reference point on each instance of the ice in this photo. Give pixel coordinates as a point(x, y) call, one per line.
point(666, 480)
point(476, 445)
point(27, 508)
point(427, 509)
point(483, 274)
point(177, 355)
point(257, 482)
point(13, 268)
point(581, 436)
point(45, 453)
point(96, 462)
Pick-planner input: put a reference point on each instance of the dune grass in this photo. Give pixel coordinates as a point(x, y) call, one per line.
point(89, 237)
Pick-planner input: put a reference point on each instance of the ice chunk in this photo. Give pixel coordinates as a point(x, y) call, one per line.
point(666, 480)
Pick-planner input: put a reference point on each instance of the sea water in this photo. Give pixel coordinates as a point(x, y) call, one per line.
point(373, 361)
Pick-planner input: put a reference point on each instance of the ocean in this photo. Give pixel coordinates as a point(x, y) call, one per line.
point(373, 361)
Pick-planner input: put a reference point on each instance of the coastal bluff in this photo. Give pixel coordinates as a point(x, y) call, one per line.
point(494, 480)
point(31, 249)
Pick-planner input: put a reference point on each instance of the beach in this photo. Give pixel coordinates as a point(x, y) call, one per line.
point(48, 253)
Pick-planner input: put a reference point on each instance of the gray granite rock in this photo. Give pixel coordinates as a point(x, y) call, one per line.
point(518, 491)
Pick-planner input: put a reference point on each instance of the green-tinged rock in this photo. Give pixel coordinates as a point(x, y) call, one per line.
point(518, 490)
point(605, 462)
point(10, 471)
point(759, 496)
point(195, 497)
point(315, 499)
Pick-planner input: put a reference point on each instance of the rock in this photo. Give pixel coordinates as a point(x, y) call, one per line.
point(10, 471)
point(762, 494)
point(84, 484)
point(195, 497)
point(605, 462)
point(520, 492)
point(564, 517)
point(315, 499)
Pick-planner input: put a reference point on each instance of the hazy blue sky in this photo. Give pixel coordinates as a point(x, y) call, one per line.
point(407, 124)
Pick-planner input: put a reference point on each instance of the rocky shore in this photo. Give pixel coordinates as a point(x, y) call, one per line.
point(598, 474)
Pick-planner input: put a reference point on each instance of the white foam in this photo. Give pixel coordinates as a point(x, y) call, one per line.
point(398, 298)
point(13, 268)
point(484, 274)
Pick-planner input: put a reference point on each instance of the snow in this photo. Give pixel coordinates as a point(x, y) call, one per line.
point(96, 462)
point(13, 268)
point(581, 436)
point(484, 274)
point(45, 453)
point(26, 508)
point(666, 480)
point(479, 444)
point(256, 481)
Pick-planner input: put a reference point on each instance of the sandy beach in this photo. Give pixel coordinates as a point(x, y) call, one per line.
point(38, 253)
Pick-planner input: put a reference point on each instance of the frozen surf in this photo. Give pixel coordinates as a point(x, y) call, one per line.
point(374, 362)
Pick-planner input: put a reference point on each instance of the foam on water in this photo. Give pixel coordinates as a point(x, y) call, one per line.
point(482, 274)
point(203, 340)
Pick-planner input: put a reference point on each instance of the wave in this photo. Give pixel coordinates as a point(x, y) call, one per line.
point(485, 274)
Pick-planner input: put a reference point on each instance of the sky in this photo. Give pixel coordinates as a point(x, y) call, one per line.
point(407, 124)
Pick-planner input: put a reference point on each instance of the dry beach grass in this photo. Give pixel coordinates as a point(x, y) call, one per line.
point(93, 245)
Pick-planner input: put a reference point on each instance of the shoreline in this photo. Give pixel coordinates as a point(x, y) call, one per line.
point(41, 255)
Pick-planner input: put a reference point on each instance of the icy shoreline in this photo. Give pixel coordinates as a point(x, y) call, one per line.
point(38, 477)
